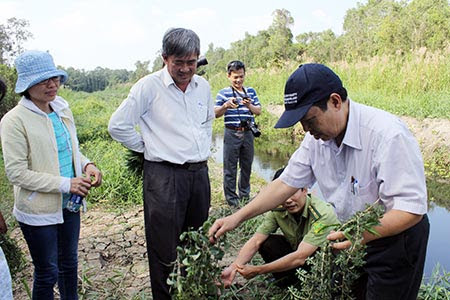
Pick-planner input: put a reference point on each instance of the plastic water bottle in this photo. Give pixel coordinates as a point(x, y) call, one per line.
point(74, 203)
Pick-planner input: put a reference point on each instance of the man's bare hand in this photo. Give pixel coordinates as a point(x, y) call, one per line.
point(232, 103)
point(228, 275)
point(338, 235)
point(221, 226)
point(248, 271)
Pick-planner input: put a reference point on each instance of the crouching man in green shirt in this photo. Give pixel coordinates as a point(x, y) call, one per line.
point(283, 254)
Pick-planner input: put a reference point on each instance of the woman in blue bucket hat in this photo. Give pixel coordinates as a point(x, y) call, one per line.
point(49, 174)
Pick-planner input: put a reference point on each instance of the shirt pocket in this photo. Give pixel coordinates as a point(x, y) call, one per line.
point(201, 113)
point(362, 194)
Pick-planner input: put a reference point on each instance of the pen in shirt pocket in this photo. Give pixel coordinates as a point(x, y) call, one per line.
point(354, 185)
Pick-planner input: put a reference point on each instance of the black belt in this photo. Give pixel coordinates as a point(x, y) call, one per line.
point(236, 128)
point(187, 166)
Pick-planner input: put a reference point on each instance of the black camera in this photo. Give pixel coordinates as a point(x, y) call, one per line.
point(202, 61)
point(2, 89)
point(252, 126)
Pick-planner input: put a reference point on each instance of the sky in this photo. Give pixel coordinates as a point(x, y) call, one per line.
point(115, 34)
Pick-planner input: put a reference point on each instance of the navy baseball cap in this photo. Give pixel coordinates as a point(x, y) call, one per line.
point(309, 84)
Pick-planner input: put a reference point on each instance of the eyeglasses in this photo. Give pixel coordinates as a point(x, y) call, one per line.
point(56, 80)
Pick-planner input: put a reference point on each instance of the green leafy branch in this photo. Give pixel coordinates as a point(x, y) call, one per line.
point(196, 272)
point(332, 273)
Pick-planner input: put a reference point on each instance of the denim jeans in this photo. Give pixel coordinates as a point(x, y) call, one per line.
point(237, 148)
point(54, 250)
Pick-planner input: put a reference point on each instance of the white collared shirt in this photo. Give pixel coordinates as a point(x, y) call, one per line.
point(378, 158)
point(175, 126)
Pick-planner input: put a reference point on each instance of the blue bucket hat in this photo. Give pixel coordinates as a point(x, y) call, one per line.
point(33, 67)
point(309, 84)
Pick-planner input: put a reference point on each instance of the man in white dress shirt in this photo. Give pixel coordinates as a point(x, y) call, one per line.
point(357, 154)
point(174, 110)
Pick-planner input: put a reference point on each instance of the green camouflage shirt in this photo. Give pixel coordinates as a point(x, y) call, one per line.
point(316, 214)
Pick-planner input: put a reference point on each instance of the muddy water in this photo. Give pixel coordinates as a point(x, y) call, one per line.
point(438, 245)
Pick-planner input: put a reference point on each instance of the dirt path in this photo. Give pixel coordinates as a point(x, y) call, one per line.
point(112, 256)
point(430, 133)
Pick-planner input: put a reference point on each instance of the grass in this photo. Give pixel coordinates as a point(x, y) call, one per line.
point(437, 287)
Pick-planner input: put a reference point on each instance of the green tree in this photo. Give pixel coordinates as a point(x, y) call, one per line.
point(12, 35)
point(217, 59)
point(280, 37)
point(9, 77)
point(95, 80)
point(427, 23)
point(362, 24)
point(141, 69)
point(319, 46)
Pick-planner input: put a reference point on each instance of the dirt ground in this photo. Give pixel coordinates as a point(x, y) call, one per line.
point(112, 256)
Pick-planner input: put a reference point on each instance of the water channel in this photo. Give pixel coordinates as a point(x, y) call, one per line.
point(438, 248)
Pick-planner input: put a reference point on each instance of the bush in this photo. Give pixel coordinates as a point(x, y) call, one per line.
point(120, 186)
point(9, 76)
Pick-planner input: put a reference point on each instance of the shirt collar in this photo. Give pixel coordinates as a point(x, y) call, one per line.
point(58, 105)
point(352, 137)
point(305, 209)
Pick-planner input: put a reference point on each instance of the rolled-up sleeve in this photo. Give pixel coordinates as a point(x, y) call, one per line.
point(401, 175)
point(298, 172)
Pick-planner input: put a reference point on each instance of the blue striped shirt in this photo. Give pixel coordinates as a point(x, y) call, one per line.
point(233, 117)
point(64, 151)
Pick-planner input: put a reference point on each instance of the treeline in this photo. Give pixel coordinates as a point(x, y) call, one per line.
point(95, 80)
point(378, 27)
point(100, 78)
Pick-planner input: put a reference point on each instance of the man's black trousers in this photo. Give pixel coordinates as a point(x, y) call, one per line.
point(176, 198)
point(394, 265)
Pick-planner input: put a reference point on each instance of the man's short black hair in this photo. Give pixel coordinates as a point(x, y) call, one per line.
point(278, 173)
point(180, 42)
point(322, 104)
point(235, 65)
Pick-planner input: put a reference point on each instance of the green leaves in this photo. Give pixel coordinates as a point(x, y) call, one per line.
point(196, 272)
point(332, 274)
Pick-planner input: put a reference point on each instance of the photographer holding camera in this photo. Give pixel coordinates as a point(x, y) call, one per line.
point(239, 104)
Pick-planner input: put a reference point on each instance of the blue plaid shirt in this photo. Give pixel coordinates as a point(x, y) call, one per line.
point(234, 116)
point(64, 151)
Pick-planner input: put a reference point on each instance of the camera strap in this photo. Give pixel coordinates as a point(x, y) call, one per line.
point(242, 96)
point(239, 94)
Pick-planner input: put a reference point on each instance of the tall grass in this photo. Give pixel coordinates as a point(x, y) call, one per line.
point(415, 84)
point(120, 187)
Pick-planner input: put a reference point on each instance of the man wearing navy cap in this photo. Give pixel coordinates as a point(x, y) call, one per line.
point(357, 155)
